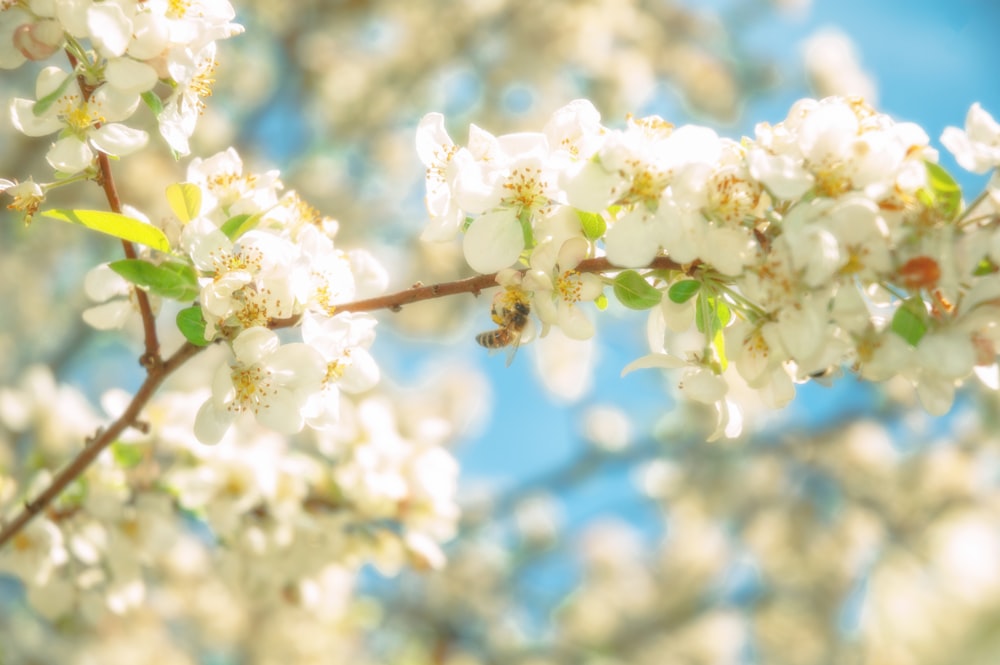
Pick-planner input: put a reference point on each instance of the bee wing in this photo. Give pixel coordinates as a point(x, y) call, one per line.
point(512, 349)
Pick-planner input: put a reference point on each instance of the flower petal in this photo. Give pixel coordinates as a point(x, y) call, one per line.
point(493, 241)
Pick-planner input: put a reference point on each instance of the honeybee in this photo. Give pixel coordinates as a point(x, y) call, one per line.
point(511, 312)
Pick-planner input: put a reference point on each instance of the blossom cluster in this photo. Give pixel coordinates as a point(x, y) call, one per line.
point(830, 239)
point(120, 54)
point(256, 260)
point(290, 511)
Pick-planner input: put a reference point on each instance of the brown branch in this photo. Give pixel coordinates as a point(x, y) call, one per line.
point(474, 285)
point(159, 371)
point(102, 440)
point(151, 358)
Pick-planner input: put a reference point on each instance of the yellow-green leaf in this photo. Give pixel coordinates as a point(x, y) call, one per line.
point(633, 291)
point(113, 224)
point(592, 223)
point(185, 200)
point(236, 226)
point(191, 323)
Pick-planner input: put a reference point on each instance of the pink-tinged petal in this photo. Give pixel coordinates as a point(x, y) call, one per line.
point(11, 20)
point(493, 241)
point(38, 41)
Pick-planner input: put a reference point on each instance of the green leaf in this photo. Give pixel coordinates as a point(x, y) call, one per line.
point(192, 325)
point(708, 315)
point(942, 192)
point(526, 229)
point(236, 226)
point(113, 224)
point(681, 292)
point(593, 224)
point(633, 291)
point(185, 200)
point(127, 455)
point(173, 280)
point(153, 101)
point(910, 320)
point(43, 104)
point(719, 342)
point(723, 313)
point(984, 267)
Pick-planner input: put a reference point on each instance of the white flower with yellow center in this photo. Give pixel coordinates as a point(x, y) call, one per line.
point(251, 280)
point(514, 190)
point(84, 125)
point(194, 74)
point(227, 191)
point(977, 148)
point(269, 380)
point(343, 341)
point(559, 287)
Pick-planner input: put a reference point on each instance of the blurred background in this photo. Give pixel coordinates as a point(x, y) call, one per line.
point(598, 525)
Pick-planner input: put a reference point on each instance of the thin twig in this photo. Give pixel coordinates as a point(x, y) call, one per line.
point(104, 438)
point(474, 285)
point(151, 358)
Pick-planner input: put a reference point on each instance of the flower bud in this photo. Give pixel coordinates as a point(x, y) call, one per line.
point(38, 41)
